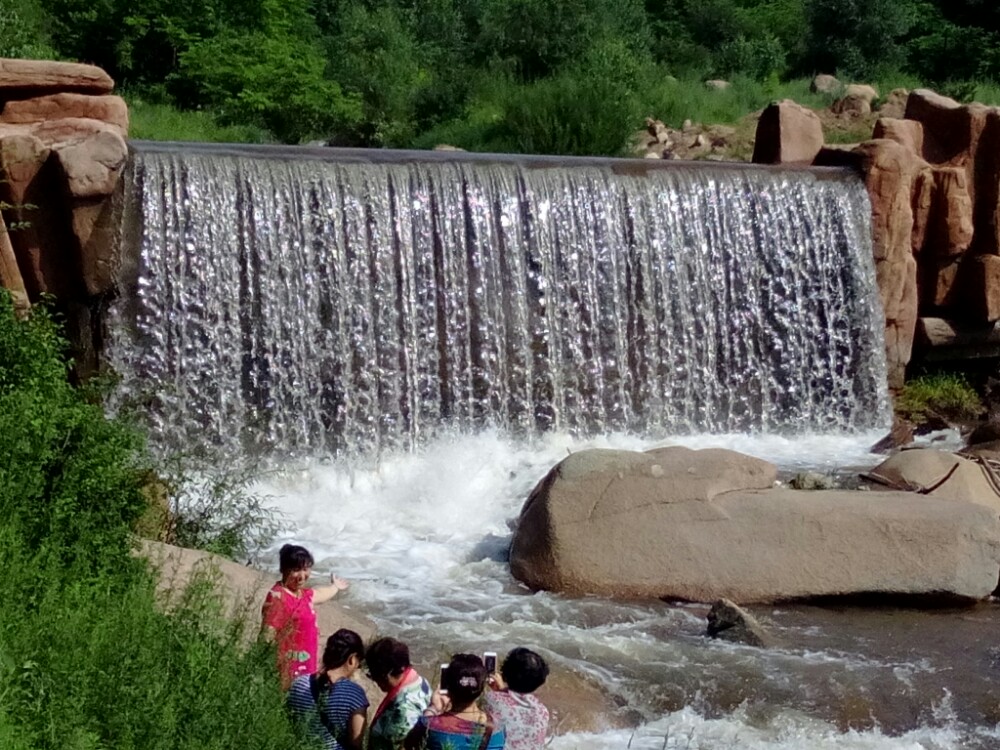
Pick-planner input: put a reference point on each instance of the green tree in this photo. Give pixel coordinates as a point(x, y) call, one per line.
point(860, 38)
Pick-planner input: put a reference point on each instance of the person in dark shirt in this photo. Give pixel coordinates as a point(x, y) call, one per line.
point(329, 704)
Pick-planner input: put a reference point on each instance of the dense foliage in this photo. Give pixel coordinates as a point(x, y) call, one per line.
point(88, 660)
point(501, 74)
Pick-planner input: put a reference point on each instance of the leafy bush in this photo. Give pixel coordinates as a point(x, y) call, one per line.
point(945, 395)
point(87, 657)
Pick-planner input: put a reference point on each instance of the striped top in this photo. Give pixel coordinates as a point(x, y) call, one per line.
point(338, 702)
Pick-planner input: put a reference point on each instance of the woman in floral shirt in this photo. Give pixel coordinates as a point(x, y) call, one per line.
point(524, 717)
point(407, 694)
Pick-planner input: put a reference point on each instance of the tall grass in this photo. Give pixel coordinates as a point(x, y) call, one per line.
point(163, 122)
point(89, 659)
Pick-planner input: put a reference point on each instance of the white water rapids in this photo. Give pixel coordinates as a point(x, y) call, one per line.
point(423, 538)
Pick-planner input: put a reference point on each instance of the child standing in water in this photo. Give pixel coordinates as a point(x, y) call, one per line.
point(288, 617)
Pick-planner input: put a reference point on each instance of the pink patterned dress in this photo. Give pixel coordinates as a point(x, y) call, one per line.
point(524, 718)
point(296, 632)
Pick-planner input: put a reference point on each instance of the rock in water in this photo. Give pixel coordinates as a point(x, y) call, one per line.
point(702, 525)
point(730, 622)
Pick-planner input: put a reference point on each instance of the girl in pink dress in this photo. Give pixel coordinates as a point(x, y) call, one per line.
point(288, 616)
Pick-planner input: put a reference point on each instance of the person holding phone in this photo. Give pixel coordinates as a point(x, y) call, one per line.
point(288, 618)
point(455, 721)
point(511, 700)
point(407, 694)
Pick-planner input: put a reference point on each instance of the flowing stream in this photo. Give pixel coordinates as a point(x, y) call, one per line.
point(410, 342)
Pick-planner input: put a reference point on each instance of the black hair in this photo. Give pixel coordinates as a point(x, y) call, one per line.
point(387, 656)
point(465, 678)
point(524, 671)
point(340, 647)
point(292, 557)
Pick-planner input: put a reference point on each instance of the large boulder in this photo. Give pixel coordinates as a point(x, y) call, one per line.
point(787, 133)
point(825, 84)
point(939, 474)
point(908, 133)
point(704, 525)
point(890, 171)
point(109, 109)
point(23, 79)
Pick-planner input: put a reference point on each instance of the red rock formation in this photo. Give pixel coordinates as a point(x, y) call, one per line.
point(787, 133)
point(23, 79)
point(109, 109)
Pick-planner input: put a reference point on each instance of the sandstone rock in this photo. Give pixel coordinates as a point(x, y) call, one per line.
point(94, 225)
point(949, 230)
point(894, 105)
point(922, 203)
point(901, 434)
point(675, 524)
point(812, 480)
point(69, 130)
point(92, 165)
point(787, 133)
point(987, 432)
point(825, 84)
point(43, 247)
point(730, 622)
point(21, 79)
point(109, 109)
point(861, 91)
point(717, 85)
point(10, 274)
point(987, 187)
point(852, 105)
point(890, 171)
point(981, 287)
point(938, 474)
point(908, 133)
point(22, 157)
point(951, 130)
point(988, 449)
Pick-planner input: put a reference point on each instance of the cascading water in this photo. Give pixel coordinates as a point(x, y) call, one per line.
point(453, 327)
point(298, 304)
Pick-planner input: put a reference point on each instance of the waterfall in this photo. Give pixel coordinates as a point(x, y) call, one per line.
point(319, 305)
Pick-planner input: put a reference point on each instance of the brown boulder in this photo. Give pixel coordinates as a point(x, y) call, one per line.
point(69, 130)
point(93, 164)
point(825, 84)
point(894, 105)
point(21, 79)
point(43, 246)
point(730, 622)
point(862, 91)
point(987, 187)
point(922, 203)
point(10, 274)
point(900, 435)
point(981, 288)
point(852, 105)
point(949, 228)
point(890, 171)
point(908, 133)
point(787, 133)
point(109, 109)
point(938, 474)
point(674, 523)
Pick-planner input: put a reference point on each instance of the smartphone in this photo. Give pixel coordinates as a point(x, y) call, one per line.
point(490, 660)
point(441, 688)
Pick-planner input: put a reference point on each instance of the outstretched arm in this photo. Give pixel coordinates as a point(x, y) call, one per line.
point(325, 593)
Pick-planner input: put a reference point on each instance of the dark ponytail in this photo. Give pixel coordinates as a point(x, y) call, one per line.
point(340, 647)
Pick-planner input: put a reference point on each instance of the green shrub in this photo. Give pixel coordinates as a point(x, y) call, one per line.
point(948, 396)
point(89, 659)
